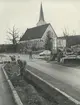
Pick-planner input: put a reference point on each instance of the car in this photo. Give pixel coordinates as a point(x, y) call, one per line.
point(69, 54)
point(45, 53)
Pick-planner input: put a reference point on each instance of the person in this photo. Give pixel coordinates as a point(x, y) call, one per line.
point(20, 51)
point(30, 54)
point(59, 55)
point(13, 58)
point(22, 66)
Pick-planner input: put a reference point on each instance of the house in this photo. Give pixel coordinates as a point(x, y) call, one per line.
point(68, 41)
point(61, 42)
point(36, 36)
point(72, 40)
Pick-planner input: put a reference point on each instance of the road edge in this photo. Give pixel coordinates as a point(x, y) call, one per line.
point(14, 92)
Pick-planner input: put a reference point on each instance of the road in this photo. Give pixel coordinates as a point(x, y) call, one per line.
point(65, 78)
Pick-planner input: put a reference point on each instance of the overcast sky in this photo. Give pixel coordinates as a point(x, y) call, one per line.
point(25, 14)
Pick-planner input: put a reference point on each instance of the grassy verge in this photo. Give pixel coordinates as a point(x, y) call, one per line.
point(28, 92)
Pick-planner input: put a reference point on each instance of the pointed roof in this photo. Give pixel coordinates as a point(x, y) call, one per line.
point(41, 17)
point(41, 14)
point(34, 33)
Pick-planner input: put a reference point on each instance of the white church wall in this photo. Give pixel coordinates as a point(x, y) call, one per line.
point(38, 43)
point(54, 36)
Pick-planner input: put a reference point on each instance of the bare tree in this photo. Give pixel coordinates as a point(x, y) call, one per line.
point(66, 35)
point(74, 33)
point(65, 32)
point(13, 36)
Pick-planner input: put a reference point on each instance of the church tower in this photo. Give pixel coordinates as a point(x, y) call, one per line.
point(41, 17)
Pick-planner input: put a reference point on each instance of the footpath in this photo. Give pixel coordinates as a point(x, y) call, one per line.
point(5, 94)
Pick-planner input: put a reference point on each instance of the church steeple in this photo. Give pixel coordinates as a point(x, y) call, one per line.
point(41, 14)
point(41, 17)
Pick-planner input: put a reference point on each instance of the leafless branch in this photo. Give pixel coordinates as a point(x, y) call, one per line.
point(13, 35)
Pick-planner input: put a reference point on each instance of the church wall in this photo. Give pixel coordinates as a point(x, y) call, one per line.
point(53, 35)
point(38, 43)
point(23, 46)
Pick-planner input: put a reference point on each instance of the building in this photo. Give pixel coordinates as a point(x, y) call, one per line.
point(61, 42)
point(36, 36)
point(68, 41)
point(72, 40)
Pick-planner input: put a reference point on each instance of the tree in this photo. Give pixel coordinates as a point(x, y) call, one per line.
point(13, 36)
point(66, 35)
point(49, 45)
point(49, 41)
point(65, 32)
point(74, 33)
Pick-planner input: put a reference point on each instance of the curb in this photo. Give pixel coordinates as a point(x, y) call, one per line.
point(14, 92)
point(56, 89)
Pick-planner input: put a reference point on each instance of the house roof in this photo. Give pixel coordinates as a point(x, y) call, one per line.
point(34, 33)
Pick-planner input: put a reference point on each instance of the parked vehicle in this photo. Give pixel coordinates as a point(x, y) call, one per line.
point(68, 51)
point(76, 49)
point(69, 54)
point(45, 53)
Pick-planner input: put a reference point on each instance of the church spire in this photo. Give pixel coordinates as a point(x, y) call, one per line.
point(41, 14)
point(41, 17)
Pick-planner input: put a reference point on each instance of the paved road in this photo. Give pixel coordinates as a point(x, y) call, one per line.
point(66, 79)
point(5, 94)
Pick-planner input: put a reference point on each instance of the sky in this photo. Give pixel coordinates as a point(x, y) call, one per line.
point(62, 14)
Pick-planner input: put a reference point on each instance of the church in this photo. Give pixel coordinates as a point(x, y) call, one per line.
point(36, 36)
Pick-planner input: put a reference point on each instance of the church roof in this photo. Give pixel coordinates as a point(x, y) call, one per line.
point(34, 33)
point(41, 17)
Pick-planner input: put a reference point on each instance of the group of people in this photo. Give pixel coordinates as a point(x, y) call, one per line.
point(21, 64)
